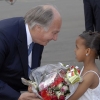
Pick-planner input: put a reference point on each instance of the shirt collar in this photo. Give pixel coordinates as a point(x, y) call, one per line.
point(29, 38)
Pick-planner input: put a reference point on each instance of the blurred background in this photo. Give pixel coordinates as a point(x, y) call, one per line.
point(72, 25)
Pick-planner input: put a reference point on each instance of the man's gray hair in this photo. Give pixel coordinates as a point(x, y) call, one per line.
point(39, 15)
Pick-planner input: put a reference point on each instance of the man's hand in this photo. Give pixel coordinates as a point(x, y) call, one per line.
point(28, 96)
point(30, 89)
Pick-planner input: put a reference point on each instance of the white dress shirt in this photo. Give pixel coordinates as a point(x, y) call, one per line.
point(29, 41)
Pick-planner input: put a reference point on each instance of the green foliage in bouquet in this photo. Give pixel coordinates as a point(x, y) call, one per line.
point(73, 75)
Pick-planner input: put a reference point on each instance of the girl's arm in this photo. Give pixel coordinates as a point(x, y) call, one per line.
point(88, 80)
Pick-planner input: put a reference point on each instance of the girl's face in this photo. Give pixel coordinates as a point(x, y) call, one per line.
point(80, 50)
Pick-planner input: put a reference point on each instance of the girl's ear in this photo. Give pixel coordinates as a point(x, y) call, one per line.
point(88, 51)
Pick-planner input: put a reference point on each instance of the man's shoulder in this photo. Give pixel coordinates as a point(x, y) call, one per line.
point(13, 18)
point(10, 23)
point(10, 20)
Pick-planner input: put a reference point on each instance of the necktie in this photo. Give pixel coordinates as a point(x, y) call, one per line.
point(29, 52)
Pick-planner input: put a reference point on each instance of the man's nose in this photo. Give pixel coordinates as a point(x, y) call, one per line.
point(55, 37)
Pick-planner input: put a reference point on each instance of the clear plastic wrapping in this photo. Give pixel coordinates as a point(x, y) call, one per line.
point(51, 82)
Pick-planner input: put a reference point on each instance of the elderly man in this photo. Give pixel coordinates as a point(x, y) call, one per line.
point(21, 46)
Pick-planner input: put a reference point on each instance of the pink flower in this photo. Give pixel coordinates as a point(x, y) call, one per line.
point(41, 86)
point(64, 88)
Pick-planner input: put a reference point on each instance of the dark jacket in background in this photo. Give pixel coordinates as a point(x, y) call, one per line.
point(92, 15)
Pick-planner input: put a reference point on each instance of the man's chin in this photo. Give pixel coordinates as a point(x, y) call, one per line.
point(44, 44)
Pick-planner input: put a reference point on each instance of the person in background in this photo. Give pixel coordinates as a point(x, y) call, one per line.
point(92, 15)
point(22, 40)
point(87, 49)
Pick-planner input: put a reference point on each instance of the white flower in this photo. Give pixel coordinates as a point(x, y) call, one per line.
point(59, 86)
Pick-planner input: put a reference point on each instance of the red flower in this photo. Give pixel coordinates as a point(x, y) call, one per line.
point(78, 71)
point(57, 81)
point(54, 97)
point(62, 97)
point(45, 95)
point(72, 67)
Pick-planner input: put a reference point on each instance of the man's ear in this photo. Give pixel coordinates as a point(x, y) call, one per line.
point(38, 28)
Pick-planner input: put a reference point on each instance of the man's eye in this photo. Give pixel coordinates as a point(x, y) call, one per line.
point(54, 32)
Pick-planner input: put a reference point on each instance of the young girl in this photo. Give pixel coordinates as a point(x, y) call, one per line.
point(87, 50)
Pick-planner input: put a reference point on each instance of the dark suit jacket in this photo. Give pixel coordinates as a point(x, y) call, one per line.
point(14, 57)
point(92, 15)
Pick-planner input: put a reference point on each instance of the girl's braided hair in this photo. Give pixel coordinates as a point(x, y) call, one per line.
point(92, 40)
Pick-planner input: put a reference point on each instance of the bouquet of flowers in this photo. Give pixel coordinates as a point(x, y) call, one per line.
point(51, 82)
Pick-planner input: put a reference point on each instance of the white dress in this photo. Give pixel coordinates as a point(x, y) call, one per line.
point(90, 94)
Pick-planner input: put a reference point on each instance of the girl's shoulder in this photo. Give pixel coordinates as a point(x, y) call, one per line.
point(92, 71)
point(95, 72)
point(93, 76)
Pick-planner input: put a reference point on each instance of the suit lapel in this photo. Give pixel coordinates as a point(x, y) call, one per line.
point(22, 47)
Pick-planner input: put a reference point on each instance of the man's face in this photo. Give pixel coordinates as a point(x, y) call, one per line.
point(42, 37)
